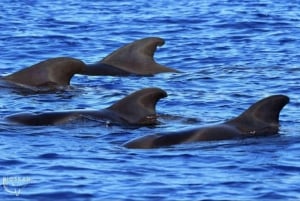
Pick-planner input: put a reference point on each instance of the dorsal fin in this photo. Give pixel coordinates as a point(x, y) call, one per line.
point(139, 107)
point(137, 57)
point(55, 71)
point(263, 113)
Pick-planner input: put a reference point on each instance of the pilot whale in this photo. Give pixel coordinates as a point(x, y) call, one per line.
point(261, 119)
point(47, 75)
point(135, 58)
point(137, 109)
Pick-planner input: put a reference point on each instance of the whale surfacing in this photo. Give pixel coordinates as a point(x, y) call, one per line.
point(261, 119)
point(135, 58)
point(137, 109)
point(50, 74)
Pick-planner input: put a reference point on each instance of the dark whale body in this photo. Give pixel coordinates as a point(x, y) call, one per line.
point(47, 75)
point(261, 119)
point(135, 58)
point(137, 109)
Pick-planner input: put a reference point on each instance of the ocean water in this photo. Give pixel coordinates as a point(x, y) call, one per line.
point(231, 54)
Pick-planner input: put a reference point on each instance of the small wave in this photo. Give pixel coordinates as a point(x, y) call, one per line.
point(49, 156)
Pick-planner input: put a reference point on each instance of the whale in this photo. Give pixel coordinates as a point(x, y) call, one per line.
point(135, 58)
point(136, 109)
point(260, 119)
point(49, 74)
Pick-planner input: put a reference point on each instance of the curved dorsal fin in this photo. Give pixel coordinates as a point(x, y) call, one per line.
point(263, 113)
point(137, 57)
point(55, 71)
point(139, 107)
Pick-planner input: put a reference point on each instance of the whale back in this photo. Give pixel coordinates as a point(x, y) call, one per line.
point(42, 119)
point(49, 73)
point(262, 117)
point(137, 57)
point(139, 107)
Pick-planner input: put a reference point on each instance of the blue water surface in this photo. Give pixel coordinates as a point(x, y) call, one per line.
point(231, 54)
